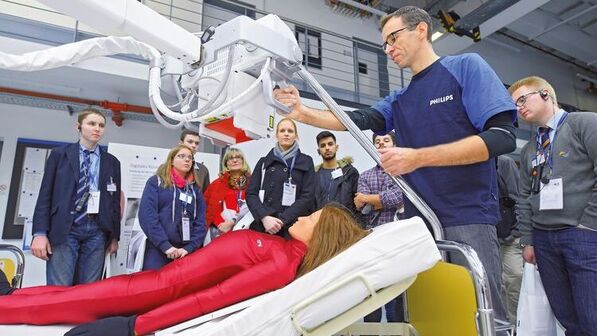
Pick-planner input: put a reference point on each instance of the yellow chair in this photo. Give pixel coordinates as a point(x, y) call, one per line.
point(452, 300)
point(442, 302)
point(12, 267)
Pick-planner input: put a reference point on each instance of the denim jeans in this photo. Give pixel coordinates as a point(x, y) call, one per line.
point(80, 259)
point(511, 255)
point(567, 262)
point(483, 239)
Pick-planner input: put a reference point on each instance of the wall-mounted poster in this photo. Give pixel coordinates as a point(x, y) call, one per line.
point(27, 173)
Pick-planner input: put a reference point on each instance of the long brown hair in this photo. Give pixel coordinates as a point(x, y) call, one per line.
point(335, 231)
point(165, 168)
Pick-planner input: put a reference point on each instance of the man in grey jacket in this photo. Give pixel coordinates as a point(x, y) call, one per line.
point(510, 251)
point(558, 203)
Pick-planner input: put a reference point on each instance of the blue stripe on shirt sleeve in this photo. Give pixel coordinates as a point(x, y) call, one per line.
point(483, 93)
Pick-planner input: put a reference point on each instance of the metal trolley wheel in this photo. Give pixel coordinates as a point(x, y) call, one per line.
point(17, 280)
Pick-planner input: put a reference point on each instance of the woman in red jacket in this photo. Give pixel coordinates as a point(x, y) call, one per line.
point(225, 197)
point(235, 267)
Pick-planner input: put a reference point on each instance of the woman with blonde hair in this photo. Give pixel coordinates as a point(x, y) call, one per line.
point(283, 184)
point(172, 210)
point(225, 197)
point(234, 267)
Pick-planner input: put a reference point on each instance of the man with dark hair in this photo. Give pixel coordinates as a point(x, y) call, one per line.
point(338, 179)
point(380, 201)
point(451, 121)
point(191, 139)
point(377, 190)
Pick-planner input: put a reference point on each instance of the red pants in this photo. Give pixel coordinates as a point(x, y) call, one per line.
point(234, 267)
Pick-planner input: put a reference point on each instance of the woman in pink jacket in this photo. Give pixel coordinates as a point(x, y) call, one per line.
point(235, 267)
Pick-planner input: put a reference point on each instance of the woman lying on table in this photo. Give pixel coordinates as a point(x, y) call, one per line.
point(235, 267)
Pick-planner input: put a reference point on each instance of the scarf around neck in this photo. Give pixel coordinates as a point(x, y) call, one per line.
point(178, 180)
point(288, 154)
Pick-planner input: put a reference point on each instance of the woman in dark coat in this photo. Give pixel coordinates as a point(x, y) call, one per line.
point(282, 186)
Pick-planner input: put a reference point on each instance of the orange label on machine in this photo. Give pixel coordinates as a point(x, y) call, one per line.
point(227, 128)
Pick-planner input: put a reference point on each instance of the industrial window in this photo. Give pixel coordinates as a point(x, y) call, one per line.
point(363, 68)
point(310, 43)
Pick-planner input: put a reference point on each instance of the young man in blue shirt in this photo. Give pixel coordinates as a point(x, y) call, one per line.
point(451, 122)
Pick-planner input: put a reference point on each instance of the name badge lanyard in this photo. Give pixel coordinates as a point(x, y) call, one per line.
point(291, 168)
point(537, 173)
point(289, 190)
point(183, 203)
point(239, 195)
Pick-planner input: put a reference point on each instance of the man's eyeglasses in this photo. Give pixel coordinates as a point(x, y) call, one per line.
point(523, 99)
point(392, 38)
point(184, 157)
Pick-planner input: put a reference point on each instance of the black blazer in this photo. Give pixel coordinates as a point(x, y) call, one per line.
point(54, 210)
point(276, 174)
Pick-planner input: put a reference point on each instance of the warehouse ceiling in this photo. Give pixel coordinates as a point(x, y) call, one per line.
point(566, 29)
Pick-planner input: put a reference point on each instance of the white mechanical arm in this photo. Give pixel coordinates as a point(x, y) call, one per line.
point(217, 82)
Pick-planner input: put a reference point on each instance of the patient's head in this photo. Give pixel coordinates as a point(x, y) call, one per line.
point(304, 226)
point(333, 231)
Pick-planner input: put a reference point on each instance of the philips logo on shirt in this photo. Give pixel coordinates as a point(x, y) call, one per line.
point(441, 100)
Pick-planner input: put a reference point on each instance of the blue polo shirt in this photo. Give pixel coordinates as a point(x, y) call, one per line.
point(451, 99)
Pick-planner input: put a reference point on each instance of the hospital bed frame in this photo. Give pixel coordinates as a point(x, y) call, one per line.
point(344, 323)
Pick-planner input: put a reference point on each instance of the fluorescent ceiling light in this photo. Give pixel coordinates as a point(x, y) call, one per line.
point(436, 35)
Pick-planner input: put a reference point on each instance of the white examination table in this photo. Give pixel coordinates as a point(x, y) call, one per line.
point(391, 256)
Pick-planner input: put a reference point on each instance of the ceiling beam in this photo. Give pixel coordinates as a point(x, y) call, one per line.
point(452, 44)
point(363, 7)
point(579, 14)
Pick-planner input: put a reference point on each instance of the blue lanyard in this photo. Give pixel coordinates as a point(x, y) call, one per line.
point(291, 167)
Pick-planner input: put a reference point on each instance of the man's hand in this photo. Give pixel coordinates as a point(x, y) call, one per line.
point(528, 254)
point(359, 200)
point(41, 248)
point(225, 226)
point(399, 160)
point(290, 97)
point(272, 224)
point(112, 247)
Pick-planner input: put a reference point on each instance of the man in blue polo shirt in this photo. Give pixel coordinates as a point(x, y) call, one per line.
point(451, 122)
